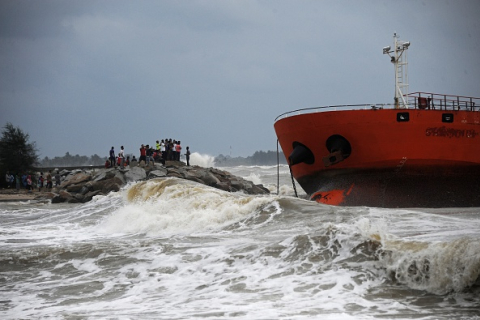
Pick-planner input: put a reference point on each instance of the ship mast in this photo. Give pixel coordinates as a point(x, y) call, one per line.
point(398, 56)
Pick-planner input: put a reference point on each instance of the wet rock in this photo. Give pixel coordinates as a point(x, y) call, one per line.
point(237, 184)
point(192, 177)
point(91, 194)
point(112, 185)
point(65, 194)
point(257, 189)
point(224, 186)
point(120, 175)
point(77, 178)
point(46, 196)
point(174, 172)
point(75, 187)
point(156, 174)
point(58, 199)
point(98, 185)
point(62, 196)
point(73, 200)
point(79, 197)
point(104, 175)
point(209, 179)
point(135, 174)
point(65, 173)
point(85, 189)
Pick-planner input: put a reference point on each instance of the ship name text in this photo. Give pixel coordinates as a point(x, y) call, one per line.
point(451, 133)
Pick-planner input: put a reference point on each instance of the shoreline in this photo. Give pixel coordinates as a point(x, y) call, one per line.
point(14, 195)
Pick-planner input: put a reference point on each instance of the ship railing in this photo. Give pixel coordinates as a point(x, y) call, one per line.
point(416, 100)
point(335, 108)
point(435, 101)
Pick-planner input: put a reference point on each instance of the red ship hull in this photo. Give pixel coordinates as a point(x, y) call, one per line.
point(386, 157)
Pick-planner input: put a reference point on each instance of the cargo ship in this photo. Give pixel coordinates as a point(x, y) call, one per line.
point(422, 150)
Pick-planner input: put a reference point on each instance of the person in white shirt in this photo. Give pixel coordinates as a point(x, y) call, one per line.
point(121, 155)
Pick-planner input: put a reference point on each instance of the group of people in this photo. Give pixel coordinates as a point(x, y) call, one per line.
point(118, 160)
point(32, 181)
point(166, 149)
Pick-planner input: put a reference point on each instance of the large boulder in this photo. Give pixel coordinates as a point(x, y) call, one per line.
point(121, 176)
point(79, 197)
point(135, 174)
point(257, 189)
point(174, 172)
point(79, 177)
point(75, 187)
point(90, 195)
point(105, 175)
point(65, 172)
point(112, 185)
point(97, 185)
point(210, 179)
point(189, 175)
point(63, 196)
point(105, 186)
point(58, 199)
point(158, 173)
point(224, 186)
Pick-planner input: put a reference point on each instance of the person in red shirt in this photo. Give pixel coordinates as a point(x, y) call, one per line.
point(143, 154)
point(178, 150)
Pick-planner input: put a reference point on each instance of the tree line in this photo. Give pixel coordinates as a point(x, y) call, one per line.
point(17, 154)
point(70, 161)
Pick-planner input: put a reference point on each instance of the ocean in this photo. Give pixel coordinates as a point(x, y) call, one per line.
point(175, 249)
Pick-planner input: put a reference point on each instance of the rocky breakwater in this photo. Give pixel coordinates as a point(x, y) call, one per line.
point(81, 185)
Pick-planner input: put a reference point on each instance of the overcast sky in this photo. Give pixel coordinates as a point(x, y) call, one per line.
point(83, 76)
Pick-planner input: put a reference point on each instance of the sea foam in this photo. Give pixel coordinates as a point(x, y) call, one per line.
point(176, 206)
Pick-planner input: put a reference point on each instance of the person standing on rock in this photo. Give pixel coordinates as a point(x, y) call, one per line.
point(121, 155)
point(171, 150)
point(40, 182)
point(167, 150)
point(133, 162)
point(49, 180)
point(187, 155)
point(148, 152)
point(112, 157)
point(57, 179)
point(143, 154)
point(29, 183)
point(174, 150)
point(178, 150)
point(162, 150)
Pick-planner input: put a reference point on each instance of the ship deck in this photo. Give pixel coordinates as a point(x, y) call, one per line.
point(415, 100)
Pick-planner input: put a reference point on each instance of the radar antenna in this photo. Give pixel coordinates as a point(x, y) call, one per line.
point(398, 56)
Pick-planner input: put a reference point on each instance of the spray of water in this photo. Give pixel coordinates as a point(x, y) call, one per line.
point(202, 160)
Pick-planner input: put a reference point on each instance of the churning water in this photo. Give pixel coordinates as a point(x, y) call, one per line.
point(175, 249)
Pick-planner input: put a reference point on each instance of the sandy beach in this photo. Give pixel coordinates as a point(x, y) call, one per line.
point(21, 195)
